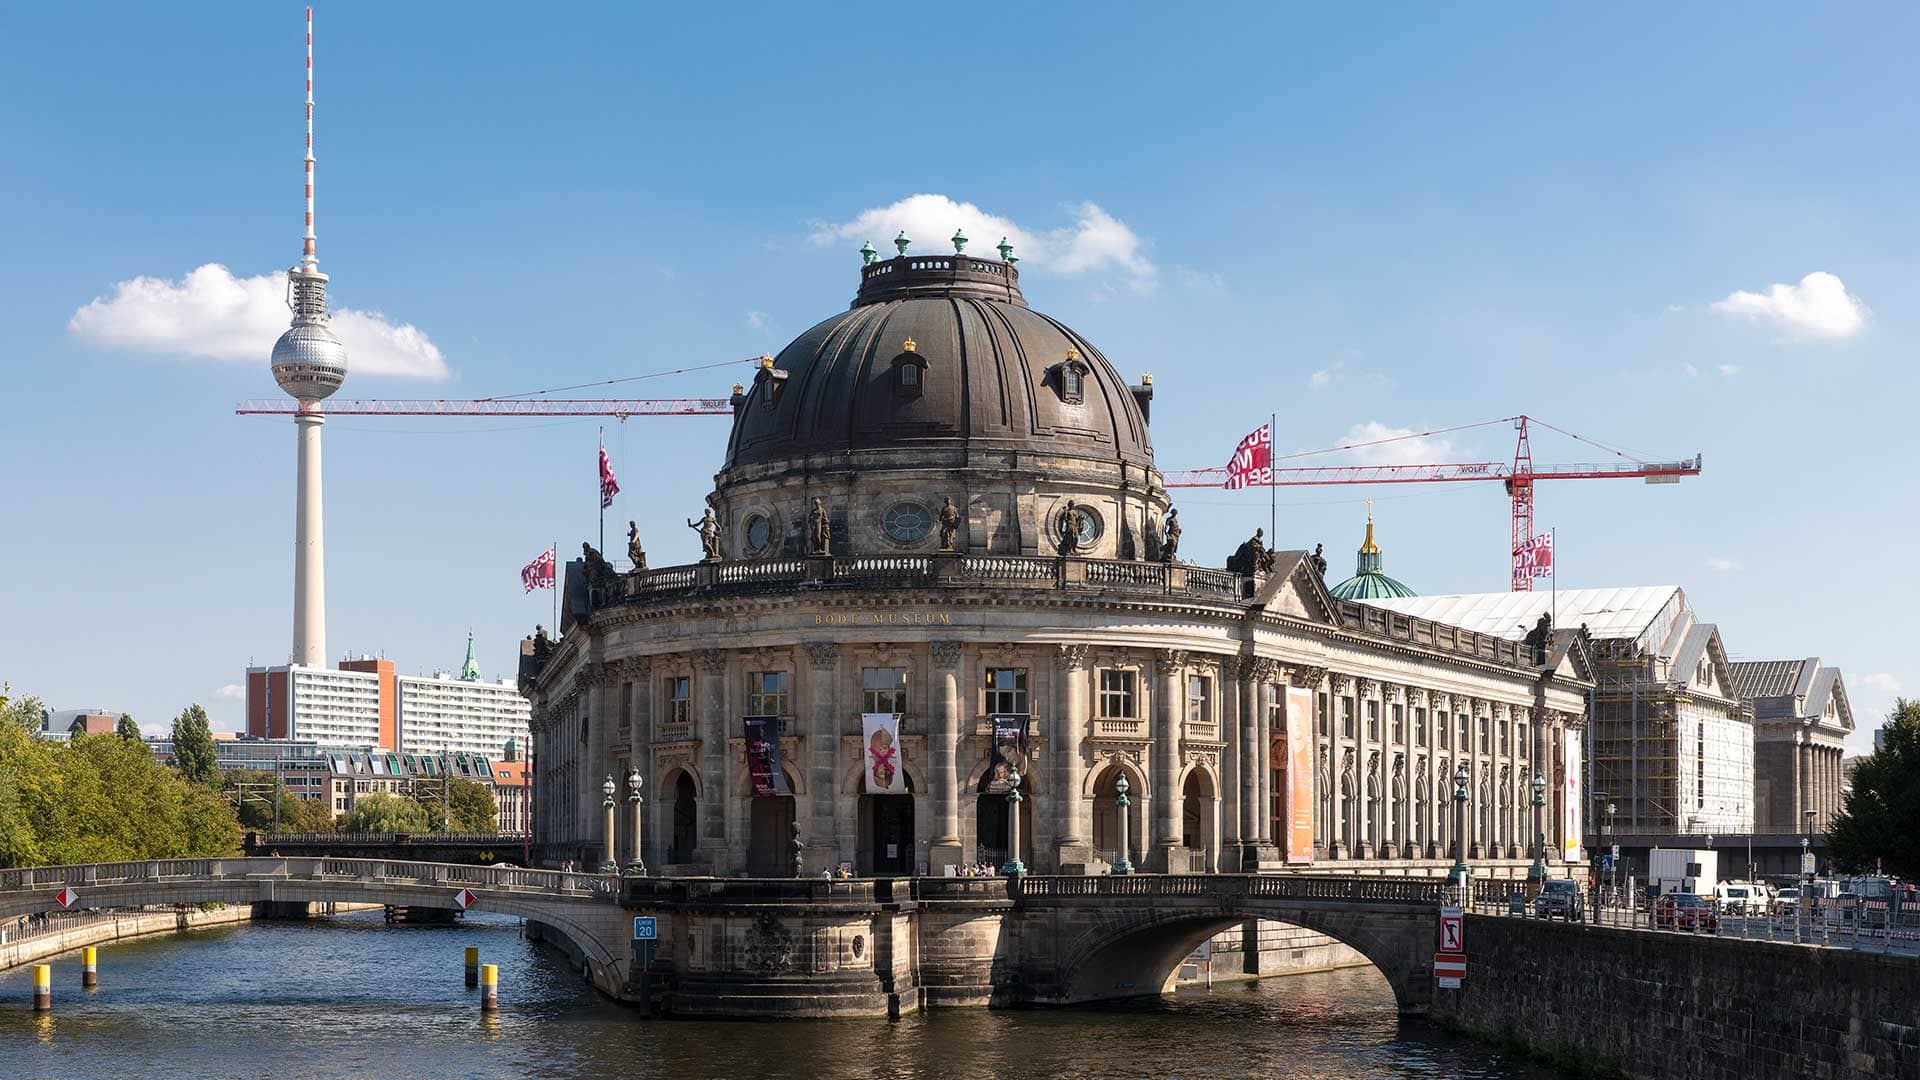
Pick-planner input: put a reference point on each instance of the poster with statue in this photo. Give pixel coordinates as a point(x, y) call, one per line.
point(880, 747)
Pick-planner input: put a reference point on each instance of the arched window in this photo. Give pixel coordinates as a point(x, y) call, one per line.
point(1070, 378)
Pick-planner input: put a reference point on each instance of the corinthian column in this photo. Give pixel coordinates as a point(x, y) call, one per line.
point(712, 676)
point(1167, 668)
point(1072, 845)
point(945, 701)
point(817, 827)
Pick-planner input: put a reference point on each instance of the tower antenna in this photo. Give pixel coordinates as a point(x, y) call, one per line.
point(309, 260)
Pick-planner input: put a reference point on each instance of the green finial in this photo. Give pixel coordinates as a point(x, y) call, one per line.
point(959, 242)
point(902, 242)
point(868, 256)
point(470, 671)
point(1006, 251)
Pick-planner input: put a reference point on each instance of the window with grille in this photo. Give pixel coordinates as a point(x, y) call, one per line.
point(1007, 690)
point(766, 693)
point(883, 689)
point(1116, 694)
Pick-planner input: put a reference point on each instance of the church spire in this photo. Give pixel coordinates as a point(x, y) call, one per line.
point(470, 671)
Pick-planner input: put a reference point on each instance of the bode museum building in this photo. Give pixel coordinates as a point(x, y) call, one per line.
point(939, 556)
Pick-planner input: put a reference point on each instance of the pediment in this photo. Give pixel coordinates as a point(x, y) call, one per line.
point(1295, 589)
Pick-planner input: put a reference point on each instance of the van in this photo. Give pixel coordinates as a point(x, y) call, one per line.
point(1741, 898)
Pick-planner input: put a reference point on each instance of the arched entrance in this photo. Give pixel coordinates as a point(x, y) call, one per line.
point(885, 838)
point(770, 820)
point(1106, 815)
point(686, 819)
point(990, 822)
point(1199, 822)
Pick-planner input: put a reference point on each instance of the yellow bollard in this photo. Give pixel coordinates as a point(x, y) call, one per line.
point(89, 970)
point(473, 966)
point(43, 988)
point(489, 988)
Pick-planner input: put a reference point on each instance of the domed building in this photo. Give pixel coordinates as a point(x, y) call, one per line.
point(937, 556)
point(1370, 580)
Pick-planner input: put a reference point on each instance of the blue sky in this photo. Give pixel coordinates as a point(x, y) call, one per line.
point(1401, 221)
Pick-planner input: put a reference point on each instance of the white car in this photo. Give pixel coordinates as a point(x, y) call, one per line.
point(1741, 898)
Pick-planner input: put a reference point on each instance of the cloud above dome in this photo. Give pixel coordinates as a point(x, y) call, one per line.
point(1094, 242)
point(1818, 308)
point(214, 315)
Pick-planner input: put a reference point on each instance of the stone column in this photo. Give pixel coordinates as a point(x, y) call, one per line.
point(1073, 845)
point(944, 702)
point(1165, 857)
point(823, 747)
point(1261, 752)
point(1229, 713)
point(711, 672)
point(1368, 778)
point(639, 670)
point(1246, 670)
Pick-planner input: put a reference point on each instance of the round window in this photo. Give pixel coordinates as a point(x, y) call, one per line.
point(907, 522)
point(1088, 524)
point(759, 534)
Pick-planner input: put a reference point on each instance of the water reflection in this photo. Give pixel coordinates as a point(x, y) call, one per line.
point(353, 998)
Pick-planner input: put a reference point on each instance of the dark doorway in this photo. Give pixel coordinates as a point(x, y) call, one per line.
point(686, 820)
point(770, 837)
point(990, 823)
point(886, 831)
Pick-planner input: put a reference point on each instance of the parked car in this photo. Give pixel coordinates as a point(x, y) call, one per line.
point(1560, 899)
point(1685, 911)
point(1741, 898)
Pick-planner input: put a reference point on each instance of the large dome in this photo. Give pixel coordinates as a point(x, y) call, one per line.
point(940, 352)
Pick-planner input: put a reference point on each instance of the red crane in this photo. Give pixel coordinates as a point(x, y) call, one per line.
point(499, 407)
point(1519, 476)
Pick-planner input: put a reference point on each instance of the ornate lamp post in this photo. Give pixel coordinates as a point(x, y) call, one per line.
point(1537, 873)
point(638, 865)
point(1123, 864)
point(1460, 870)
point(612, 863)
point(1013, 865)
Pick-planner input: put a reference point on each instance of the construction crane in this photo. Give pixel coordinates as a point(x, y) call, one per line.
point(500, 407)
point(1519, 476)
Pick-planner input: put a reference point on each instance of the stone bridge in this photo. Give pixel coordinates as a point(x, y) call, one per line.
point(480, 849)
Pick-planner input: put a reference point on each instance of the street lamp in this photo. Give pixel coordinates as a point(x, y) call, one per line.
point(1611, 810)
point(1538, 871)
point(638, 866)
point(1460, 871)
point(612, 863)
point(1013, 864)
point(1123, 864)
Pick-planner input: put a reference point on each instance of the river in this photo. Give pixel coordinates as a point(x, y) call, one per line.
point(352, 997)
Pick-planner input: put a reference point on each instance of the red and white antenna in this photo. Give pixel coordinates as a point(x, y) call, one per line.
point(309, 261)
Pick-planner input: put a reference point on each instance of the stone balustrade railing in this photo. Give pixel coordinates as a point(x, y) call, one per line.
point(380, 871)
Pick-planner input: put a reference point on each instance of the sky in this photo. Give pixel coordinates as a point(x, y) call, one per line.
point(1668, 229)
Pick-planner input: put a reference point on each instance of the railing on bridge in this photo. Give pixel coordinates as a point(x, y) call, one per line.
point(381, 871)
point(374, 839)
point(1391, 890)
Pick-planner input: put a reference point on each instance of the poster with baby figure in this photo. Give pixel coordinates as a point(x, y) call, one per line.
point(880, 735)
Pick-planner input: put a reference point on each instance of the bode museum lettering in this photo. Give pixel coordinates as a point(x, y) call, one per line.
point(883, 618)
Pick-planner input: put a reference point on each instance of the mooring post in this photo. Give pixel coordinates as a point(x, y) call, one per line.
point(489, 988)
point(89, 972)
point(473, 966)
point(43, 988)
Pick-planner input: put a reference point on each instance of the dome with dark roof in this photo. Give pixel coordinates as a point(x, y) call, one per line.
point(939, 353)
point(1369, 580)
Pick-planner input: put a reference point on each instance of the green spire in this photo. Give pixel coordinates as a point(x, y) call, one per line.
point(470, 671)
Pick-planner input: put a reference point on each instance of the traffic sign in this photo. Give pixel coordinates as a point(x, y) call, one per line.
point(67, 896)
point(464, 898)
point(646, 928)
point(1806, 863)
point(1449, 969)
point(1616, 851)
point(1606, 863)
point(1452, 931)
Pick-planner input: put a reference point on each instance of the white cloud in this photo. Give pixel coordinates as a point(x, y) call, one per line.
point(1689, 370)
point(756, 320)
point(1095, 241)
point(1729, 370)
point(1880, 683)
point(211, 314)
point(233, 691)
point(1321, 378)
point(1207, 281)
point(1818, 308)
point(1393, 446)
point(1723, 566)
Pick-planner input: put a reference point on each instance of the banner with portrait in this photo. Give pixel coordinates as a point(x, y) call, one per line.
point(763, 755)
point(1299, 762)
point(1009, 750)
point(884, 772)
point(1570, 787)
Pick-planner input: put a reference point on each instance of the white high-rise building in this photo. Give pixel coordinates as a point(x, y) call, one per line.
point(329, 706)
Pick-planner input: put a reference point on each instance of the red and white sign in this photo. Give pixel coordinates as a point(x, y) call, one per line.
point(1449, 969)
point(538, 574)
point(464, 898)
point(1252, 464)
point(1452, 931)
point(1535, 557)
point(67, 896)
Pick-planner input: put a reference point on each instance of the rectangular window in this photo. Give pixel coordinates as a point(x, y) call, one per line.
point(1007, 690)
point(1321, 709)
point(1116, 694)
point(1399, 723)
point(1200, 700)
point(883, 689)
point(1700, 765)
point(766, 693)
point(626, 704)
point(1466, 732)
point(1506, 737)
point(1346, 718)
point(1373, 721)
point(1419, 727)
point(1523, 739)
point(1486, 736)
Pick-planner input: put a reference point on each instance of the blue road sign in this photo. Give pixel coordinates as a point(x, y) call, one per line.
point(646, 928)
point(1606, 863)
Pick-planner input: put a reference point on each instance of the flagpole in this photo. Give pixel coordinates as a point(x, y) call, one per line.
point(1273, 493)
point(599, 473)
point(556, 588)
point(1553, 577)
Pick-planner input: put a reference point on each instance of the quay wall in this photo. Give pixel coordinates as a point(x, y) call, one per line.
point(111, 926)
point(1610, 1002)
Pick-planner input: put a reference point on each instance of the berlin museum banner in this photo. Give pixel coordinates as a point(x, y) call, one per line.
point(763, 755)
point(880, 736)
point(1009, 750)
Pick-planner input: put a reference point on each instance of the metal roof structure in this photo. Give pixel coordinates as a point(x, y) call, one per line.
point(1644, 614)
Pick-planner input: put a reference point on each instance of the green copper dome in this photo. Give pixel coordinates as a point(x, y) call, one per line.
point(1369, 581)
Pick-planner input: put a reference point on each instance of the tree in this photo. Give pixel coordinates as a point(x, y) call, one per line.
point(127, 728)
point(253, 793)
point(382, 813)
point(1875, 828)
point(472, 807)
point(26, 713)
point(193, 752)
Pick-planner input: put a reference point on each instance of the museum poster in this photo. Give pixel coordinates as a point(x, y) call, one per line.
point(763, 755)
point(1570, 788)
point(880, 740)
point(1009, 749)
point(1299, 775)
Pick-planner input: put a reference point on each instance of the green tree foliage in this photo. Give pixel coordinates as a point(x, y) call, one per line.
point(127, 729)
point(471, 806)
point(381, 813)
point(24, 713)
point(101, 798)
point(193, 752)
point(252, 793)
point(1880, 823)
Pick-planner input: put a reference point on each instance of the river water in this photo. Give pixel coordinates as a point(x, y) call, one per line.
point(351, 997)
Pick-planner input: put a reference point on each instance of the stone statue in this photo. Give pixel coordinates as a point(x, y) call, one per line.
point(1251, 557)
point(599, 572)
point(1170, 538)
point(1541, 637)
point(1318, 560)
point(819, 530)
point(1069, 529)
point(949, 524)
point(635, 552)
point(542, 644)
point(709, 531)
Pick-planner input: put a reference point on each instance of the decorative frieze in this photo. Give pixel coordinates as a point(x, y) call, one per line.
point(1072, 657)
point(1308, 677)
point(946, 654)
point(1364, 688)
point(711, 661)
point(1169, 662)
point(1390, 692)
point(1338, 683)
point(821, 655)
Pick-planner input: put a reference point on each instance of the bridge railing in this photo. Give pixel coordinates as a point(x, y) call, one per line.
point(306, 868)
point(1390, 890)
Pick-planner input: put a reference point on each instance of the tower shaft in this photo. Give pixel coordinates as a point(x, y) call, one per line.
point(309, 550)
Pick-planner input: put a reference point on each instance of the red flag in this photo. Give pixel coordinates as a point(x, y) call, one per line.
point(1252, 464)
point(1536, 556)
point(609, 487)
point(538, 574)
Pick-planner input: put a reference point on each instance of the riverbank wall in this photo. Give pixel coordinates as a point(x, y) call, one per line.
point(1604, 1002)
point(102, 927)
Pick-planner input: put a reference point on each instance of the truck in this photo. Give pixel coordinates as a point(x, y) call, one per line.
point(1687, 870)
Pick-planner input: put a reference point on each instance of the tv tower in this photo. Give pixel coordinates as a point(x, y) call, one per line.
point(309, 363)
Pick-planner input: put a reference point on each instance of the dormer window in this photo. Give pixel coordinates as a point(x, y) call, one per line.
point(909, 371)
point(770, 381)
point(1070, 378)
